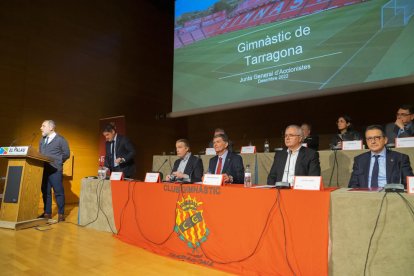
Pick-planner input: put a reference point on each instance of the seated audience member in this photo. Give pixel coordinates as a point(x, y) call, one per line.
point(311, 140)
point(379, 166)
point(227, 163)
point(188, 167)
point(403, 125)
point(220, 131)
point(345, 132)
point(295, 160)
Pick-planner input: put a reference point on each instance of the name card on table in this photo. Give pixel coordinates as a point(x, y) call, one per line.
point(213, 179)
point(210, 151)
point(152, 177)
point(352, 145)
point(248, 149)
point(312, 183)
point(116, 176)
point(406, 142)
point(410, 184)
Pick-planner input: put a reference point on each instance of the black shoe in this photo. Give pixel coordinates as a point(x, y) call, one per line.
point(61, 217)
point(46, 216)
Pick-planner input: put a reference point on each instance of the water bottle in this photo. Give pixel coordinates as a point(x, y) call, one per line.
point(247, 177)
point(102, 172)
point(266, 146)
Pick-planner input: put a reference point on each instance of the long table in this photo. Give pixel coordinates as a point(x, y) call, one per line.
point(231, 228)
point(352, 217)
point(336, 166)
point(95, 205)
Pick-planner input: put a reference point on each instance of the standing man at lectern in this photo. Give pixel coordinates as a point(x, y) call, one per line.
point(295, 160)
point(56, 147)
point(120, 152)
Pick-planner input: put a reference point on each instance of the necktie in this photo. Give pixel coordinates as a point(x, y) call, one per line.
point(218, 171)
point(375, 172)
point(112, 153)
point(45, 143)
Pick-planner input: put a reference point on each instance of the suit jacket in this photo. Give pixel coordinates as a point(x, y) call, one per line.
point(307, 164)
point(350, 135)
point(194, 168)
point(57, 149)
point(312, 141)
point(124, 149)
point(397, 169)
point(233, 165)
point(392, 129)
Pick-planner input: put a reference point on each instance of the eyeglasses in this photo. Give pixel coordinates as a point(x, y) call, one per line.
point(291, 135)
point(374, 138)
point(403, 114)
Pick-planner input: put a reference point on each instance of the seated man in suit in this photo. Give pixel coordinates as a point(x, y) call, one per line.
point(188, 167)
point(379, 166)
point(311, 140)
point(120, 152)
point(403, 125)
point(295, 160)
point(227, 163)
point(220, 131)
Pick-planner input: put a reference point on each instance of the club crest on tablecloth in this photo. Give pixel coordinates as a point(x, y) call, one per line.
point(190, 225)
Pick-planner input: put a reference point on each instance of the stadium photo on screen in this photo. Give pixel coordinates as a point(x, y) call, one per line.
point(232, 51)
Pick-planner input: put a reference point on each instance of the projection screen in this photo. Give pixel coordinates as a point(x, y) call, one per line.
point(232, 53)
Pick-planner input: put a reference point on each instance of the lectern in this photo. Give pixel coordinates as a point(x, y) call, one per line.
point(20, 204)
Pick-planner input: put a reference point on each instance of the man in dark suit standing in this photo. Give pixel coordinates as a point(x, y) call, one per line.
point(403, 125)
point(56, 147)
point(188, 167)
point(227, 163)
point(379, 166)
point(295, 160)
point(120, 152)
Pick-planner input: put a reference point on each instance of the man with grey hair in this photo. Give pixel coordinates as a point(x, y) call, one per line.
point(295, 160)
point(54, 146)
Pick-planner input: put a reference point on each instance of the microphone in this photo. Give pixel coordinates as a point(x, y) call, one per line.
point(285, 184)
point(158, 171)
point(396, 187)
point(33, 135)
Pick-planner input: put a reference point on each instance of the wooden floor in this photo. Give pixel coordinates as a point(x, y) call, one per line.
point(67, 249)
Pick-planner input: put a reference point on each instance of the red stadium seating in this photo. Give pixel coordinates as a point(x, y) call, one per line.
point(252, 13)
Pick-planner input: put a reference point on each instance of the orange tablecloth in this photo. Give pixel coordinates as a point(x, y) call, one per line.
point(231, 228)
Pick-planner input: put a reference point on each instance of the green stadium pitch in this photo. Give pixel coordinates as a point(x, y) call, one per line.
point(332, 48)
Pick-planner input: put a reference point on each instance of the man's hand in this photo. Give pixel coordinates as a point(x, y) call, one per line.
point(178, 174)
point(227, 178)
point(399, 123)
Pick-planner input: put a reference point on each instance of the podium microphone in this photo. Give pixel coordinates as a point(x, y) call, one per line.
point(285, 185)
point(34, 135)
point(396, 187)
point(158, 171)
